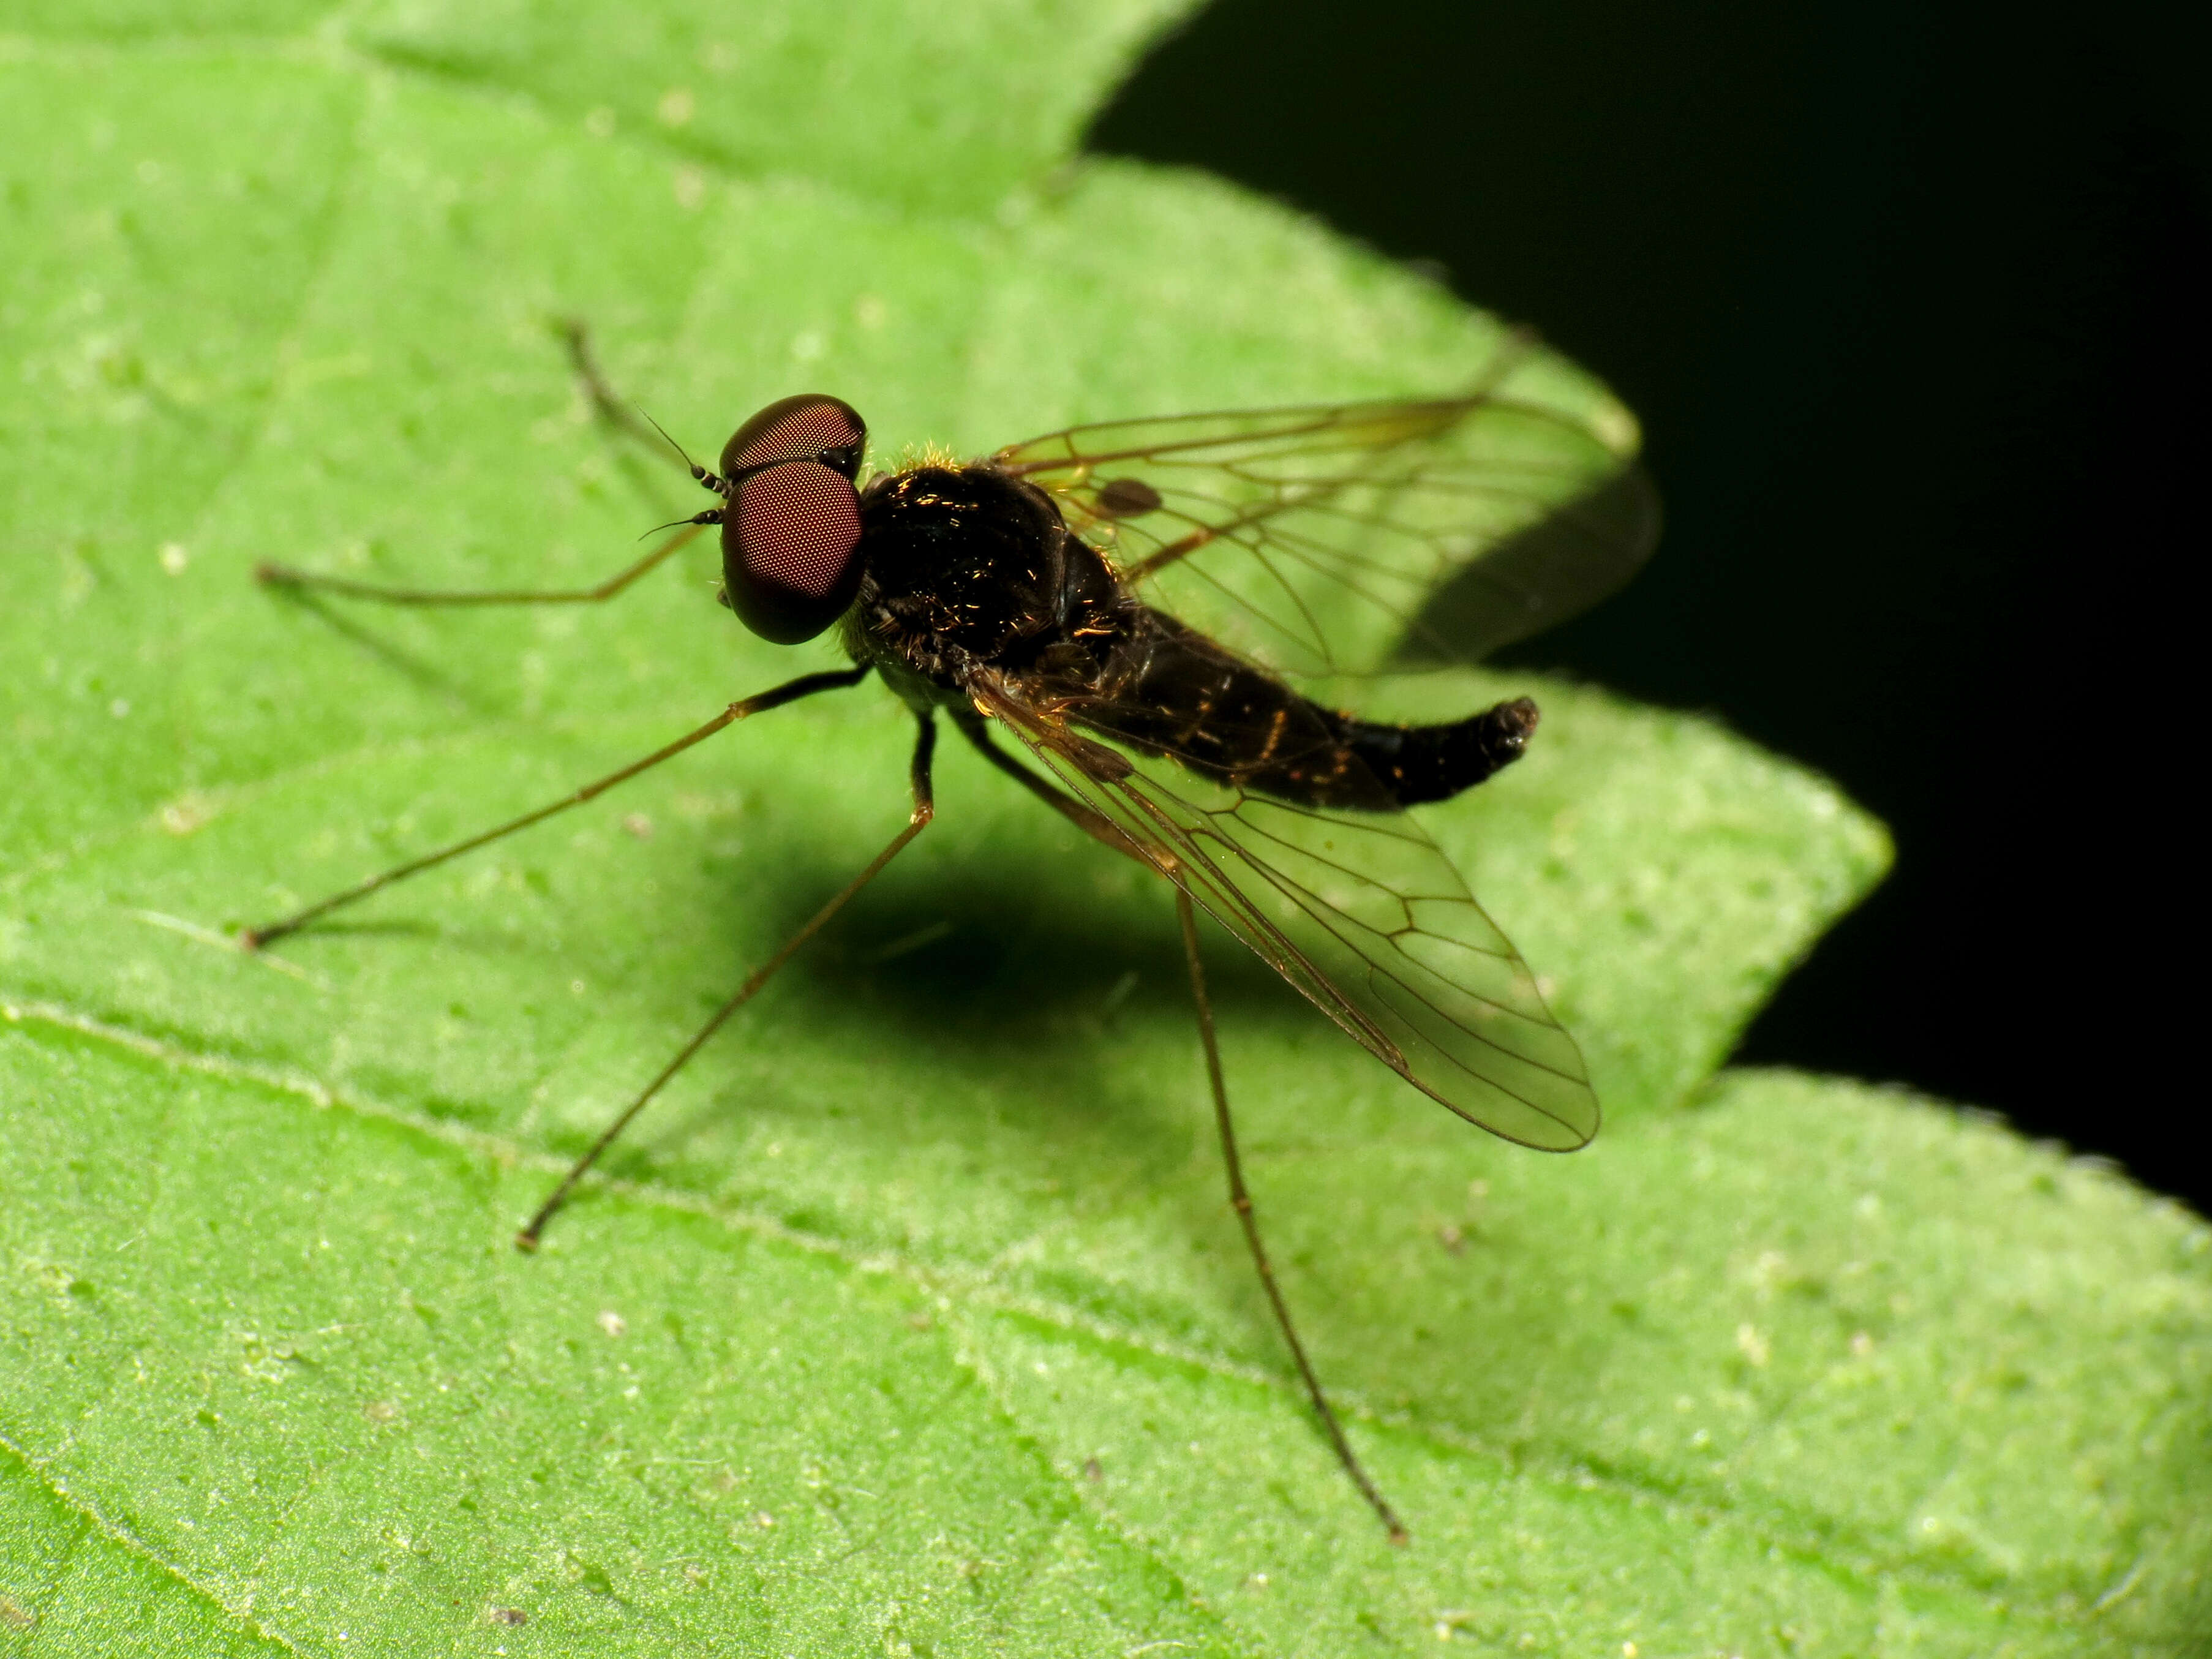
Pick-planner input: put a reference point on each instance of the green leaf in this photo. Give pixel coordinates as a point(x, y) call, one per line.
point(914, 1318)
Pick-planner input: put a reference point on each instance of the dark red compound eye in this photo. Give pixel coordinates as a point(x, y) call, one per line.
point(810, 426)
point(792, 524)
point(788, 538)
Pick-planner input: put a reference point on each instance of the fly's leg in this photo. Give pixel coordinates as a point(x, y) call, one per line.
point(1241, 1200)
point(269, 574)
point(977, 731)
point(917, 821)
point(805, 686)
point(974, 727)
point(613, 411)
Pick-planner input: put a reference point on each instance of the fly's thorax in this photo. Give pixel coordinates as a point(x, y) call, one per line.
point(964, 566)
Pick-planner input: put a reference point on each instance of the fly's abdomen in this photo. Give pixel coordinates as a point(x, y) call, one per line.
point(1171, 692)
point(1418, 763)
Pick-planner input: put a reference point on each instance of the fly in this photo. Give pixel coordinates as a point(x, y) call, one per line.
point(1132, 606)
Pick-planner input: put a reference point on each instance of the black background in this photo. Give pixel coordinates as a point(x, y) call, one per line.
point(1913, 302)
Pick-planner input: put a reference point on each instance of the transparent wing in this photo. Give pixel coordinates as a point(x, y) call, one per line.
point(1313, 540)
point(1360, 911)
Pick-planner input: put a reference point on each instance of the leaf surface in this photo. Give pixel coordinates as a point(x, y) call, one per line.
point(914, 1317)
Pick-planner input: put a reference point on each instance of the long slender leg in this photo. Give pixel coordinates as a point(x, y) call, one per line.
point(977, 732)
point(613, 411)
point(974, 727)
point(805, 686)
point(1241, 1200)
point(924, 809)
point(270, 575)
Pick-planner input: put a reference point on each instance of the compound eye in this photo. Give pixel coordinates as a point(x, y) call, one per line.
point(789, 539)
point(812, 426)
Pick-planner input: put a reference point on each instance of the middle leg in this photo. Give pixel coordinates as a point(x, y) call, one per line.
point(1096, 824)
point(924, 808)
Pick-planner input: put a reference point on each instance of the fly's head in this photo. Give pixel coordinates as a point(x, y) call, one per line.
point(790, 521)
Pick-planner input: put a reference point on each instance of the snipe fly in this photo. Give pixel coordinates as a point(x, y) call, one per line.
point(1136, 604)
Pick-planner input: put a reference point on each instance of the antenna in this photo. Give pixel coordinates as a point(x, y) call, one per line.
point(698, 472)
point(712, 515)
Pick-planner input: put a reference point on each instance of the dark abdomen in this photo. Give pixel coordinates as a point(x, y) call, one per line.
point(1166, 690)
point(1418, 763)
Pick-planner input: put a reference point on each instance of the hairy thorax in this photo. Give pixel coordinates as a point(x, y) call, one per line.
point(967, 568)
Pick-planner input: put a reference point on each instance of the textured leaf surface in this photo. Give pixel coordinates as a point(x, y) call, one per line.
point(914, 1321)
